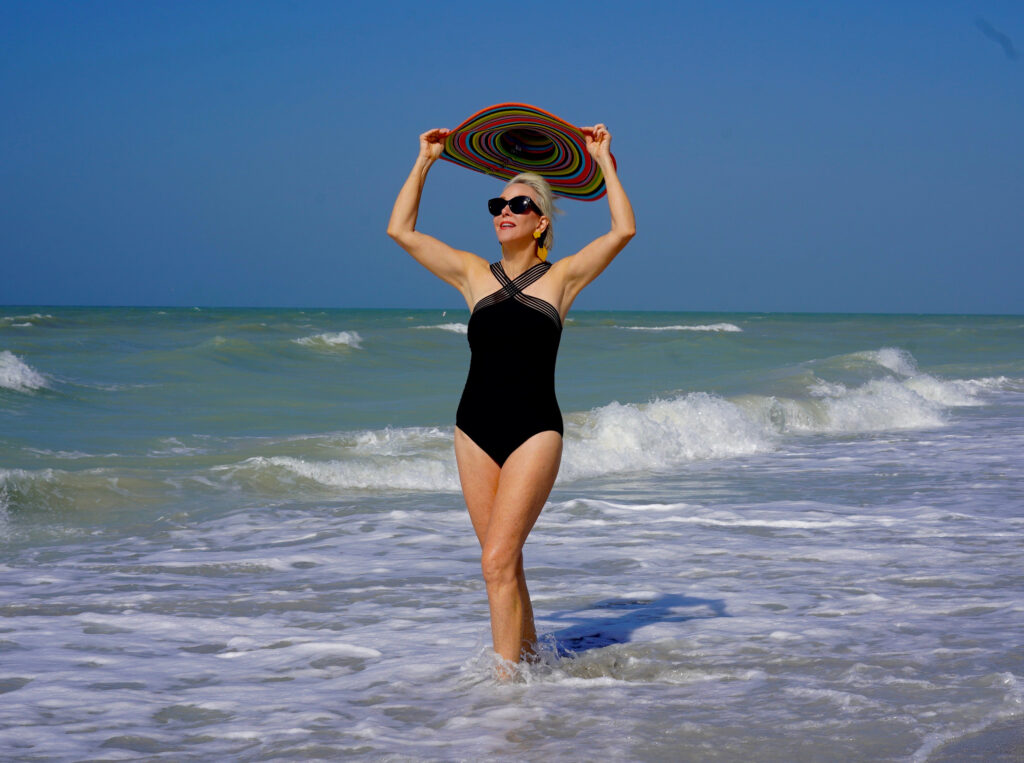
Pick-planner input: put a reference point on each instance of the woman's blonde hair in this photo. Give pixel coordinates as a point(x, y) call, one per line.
point(545, 200)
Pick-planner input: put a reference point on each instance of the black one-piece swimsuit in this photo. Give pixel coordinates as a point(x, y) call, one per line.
point(510, 392)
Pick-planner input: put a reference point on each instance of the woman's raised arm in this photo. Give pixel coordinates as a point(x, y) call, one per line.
point(588, 263)
point(448, 264)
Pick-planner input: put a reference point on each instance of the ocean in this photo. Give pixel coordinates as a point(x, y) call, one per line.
point(237, 534)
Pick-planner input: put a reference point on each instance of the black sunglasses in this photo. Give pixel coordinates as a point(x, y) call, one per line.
point(519, 205)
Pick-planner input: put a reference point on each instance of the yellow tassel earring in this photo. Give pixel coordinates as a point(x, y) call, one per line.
point(542, 252)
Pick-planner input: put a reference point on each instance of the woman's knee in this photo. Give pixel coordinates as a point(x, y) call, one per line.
point(500, 565)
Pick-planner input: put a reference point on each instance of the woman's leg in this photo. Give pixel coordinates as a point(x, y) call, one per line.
point(525, 483)
point(529, 642)
point(479, 477)
point(523, 486)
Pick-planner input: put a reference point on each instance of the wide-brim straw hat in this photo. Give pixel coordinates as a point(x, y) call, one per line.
point(510, 138)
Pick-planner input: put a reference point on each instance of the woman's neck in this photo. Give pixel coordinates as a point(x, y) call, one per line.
point(519, 259)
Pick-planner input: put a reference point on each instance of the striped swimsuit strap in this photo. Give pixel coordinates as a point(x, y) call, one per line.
point(514, 289)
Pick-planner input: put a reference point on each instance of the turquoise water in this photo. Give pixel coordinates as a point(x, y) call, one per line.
point(773, 536)
point(141, 376)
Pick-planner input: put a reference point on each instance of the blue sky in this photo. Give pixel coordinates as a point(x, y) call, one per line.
point(783, 156)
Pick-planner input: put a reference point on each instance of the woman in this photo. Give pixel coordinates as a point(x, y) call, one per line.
point(508, 435)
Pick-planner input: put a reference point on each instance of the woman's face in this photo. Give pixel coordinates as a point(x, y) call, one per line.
point(510, 227)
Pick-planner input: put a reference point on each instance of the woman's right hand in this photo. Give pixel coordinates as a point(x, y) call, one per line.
point(432, 143)
point(599, 142)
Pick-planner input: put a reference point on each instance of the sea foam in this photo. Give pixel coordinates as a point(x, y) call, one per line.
point(878, 405)
point(456, 328)
point(404, 458)
point(629, 437)
point(726, 327)
point(899, 361)
point(17, 375)
point(408, 473)
point(341, 339)
point(26, 321)
point(697, 426)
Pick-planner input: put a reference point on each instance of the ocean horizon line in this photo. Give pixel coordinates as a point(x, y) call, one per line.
point(575, 311)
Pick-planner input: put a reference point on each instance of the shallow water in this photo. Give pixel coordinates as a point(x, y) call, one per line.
point(797, 538)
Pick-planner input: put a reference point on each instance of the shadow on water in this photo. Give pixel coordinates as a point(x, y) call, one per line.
point(613, 621)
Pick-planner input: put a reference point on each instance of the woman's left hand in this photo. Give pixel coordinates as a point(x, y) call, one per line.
point(599, 141)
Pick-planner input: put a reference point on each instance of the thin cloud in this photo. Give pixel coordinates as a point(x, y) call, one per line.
point(997, 37)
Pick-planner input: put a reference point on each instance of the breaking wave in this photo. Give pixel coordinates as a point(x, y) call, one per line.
point(654, 436)
point(615, 438)
point(26, 321)
point(726, 327)
point(340, 339)
point(456, 328)
point(17, 375)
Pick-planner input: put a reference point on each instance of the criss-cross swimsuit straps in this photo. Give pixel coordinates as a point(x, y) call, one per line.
point(514, 289)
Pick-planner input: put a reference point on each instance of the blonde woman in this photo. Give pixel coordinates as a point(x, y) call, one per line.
point(508, 435)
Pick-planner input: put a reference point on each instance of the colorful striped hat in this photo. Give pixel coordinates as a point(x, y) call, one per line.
point(510, 138)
